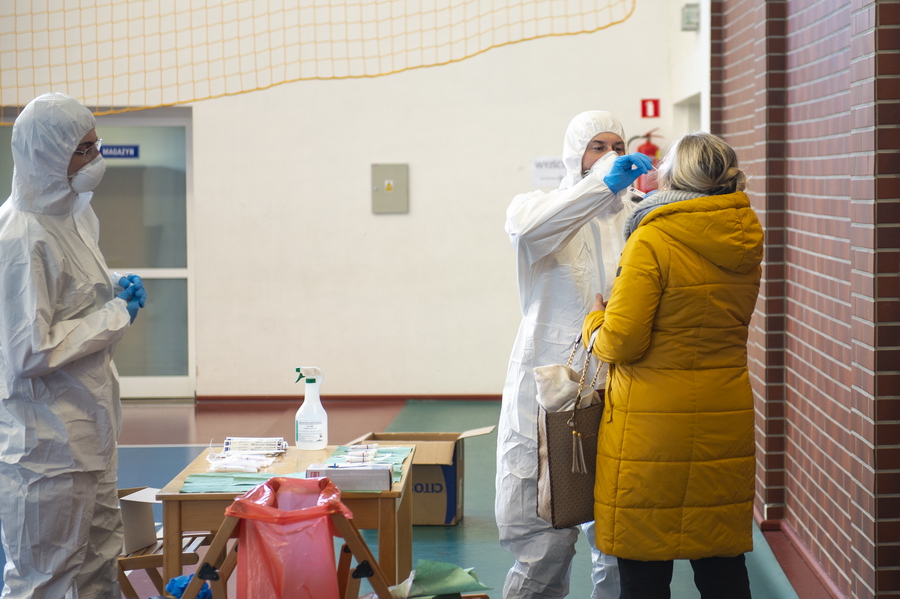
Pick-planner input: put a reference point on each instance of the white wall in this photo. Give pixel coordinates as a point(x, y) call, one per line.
point(291, 266)
point(689, 56)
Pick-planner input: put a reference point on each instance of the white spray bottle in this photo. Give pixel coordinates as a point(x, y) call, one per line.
point(311, 422)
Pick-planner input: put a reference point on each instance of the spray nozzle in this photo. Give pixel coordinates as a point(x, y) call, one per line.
point(310, 373)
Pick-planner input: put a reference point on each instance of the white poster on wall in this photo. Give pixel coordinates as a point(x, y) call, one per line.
point(547, 171)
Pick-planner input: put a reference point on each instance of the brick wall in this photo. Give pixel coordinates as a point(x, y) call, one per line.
point(807, 93)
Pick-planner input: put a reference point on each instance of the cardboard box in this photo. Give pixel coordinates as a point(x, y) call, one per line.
point(437, 472)
point(137, 518)
point(355, 477)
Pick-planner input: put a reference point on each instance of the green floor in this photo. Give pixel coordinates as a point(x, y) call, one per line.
point(473, 543)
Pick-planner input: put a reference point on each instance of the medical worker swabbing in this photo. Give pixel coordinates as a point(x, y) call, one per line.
point(567, 245)
point(61, 315)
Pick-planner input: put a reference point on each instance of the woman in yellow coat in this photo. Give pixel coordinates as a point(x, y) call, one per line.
point(675, 456)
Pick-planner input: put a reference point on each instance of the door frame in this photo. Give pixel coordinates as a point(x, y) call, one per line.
point(166, 387)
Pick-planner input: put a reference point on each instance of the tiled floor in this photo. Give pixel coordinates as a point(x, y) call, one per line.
point(159, 439)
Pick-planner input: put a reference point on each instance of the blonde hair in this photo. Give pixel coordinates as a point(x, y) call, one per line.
point(702, 163)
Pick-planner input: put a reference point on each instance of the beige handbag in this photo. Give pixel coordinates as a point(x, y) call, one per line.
point(567, 442)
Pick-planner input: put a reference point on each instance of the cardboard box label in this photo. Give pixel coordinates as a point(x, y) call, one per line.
point(436, 493)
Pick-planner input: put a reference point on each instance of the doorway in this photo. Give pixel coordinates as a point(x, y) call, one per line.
point(144, 206)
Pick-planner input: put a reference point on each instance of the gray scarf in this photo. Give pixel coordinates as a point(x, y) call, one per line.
point(655, 201)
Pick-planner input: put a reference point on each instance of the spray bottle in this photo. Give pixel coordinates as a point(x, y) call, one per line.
point(311, 422)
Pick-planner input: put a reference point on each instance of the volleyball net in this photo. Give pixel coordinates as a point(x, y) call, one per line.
point(117, 56)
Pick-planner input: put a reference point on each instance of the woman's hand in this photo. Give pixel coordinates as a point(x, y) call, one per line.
point(587, 333)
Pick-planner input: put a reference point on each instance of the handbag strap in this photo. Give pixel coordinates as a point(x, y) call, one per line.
point(574, 350)
point(585, 367)
point(579, 464)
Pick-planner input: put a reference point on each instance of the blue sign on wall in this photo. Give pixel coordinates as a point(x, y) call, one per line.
point(120, 151)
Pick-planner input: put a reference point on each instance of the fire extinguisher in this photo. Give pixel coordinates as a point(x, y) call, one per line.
point(647, 183)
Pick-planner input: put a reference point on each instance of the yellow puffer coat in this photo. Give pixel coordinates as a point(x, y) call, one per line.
point(675, 457)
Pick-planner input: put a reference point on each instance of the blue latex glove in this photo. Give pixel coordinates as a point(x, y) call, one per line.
point(177, 587)
point(131, 300)
point(139, 291)
point(626, 169)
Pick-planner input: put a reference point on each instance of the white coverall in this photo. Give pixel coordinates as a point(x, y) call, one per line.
point(59, 393)
point(567, 244)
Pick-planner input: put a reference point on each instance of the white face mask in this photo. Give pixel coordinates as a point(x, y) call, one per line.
point(88, 176)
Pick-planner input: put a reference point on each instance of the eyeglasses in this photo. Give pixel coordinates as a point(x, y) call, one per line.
point(93, 149)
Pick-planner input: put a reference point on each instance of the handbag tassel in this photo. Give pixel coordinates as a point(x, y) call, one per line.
point(578, 465)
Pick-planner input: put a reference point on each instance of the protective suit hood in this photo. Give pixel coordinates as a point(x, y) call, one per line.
point(44, 137)
point(583, 128)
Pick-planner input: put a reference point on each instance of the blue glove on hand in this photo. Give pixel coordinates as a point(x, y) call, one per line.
point(131, 300)
point(626, 169)
point(139, 290)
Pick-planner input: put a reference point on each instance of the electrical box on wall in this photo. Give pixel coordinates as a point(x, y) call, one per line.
point(390, 188)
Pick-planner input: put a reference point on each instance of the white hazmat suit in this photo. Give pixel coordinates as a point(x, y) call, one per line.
point(567, 244)
point(59, 392)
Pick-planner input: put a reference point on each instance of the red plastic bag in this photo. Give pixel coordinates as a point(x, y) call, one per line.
point(286, 547)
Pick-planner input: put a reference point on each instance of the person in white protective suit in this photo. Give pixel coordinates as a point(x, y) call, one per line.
point(567, 245)
point(60, 318)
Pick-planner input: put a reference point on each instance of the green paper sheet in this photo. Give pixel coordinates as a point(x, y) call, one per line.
point(227, 482)
point(435, 580)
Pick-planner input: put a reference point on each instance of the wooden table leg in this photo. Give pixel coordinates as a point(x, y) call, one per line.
point(171, 540)
point(387, 539)
point(404, 533)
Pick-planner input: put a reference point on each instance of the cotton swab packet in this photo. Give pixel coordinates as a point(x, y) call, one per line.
point(225, 462)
